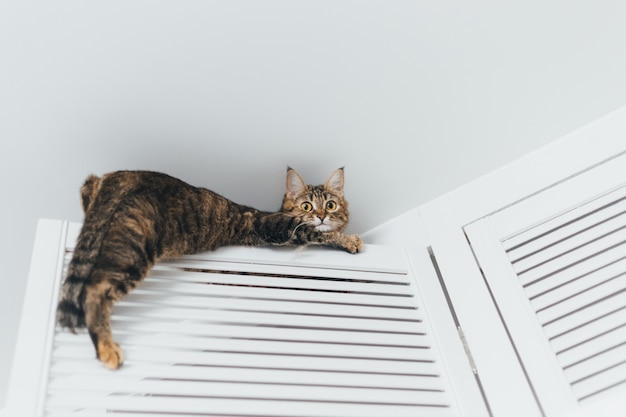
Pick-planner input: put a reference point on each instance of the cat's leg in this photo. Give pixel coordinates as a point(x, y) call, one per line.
point(308, 235)
point(98, 303)
point(349, 243)
point(279, 229)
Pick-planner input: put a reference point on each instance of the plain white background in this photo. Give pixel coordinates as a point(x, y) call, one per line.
point(415, 98)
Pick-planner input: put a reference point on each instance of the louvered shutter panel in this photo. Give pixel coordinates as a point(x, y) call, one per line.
point(556, 266)
point(248, 332)
point(573, 270)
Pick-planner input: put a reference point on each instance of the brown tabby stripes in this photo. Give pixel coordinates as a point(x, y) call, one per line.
point(134, 218)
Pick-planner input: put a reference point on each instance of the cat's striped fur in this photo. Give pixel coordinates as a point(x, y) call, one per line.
point(135, 218)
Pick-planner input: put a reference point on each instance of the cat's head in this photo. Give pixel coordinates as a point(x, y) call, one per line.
point(320, 206)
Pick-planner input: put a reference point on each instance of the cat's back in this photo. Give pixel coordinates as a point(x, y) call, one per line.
point(126, 182)
point(102, 197)
point(160, 213)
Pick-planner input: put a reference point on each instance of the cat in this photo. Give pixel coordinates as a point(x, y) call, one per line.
point(134, 218)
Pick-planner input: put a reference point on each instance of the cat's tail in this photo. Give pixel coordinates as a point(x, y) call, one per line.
point(70, 311)
point(71, 307)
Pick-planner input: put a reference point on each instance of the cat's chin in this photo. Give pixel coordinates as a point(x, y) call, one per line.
point(323, 228)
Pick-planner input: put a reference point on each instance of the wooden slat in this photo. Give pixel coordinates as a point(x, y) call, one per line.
point(120, 385)
point(599, 264)
point(601, 381)
point(204, 306)
point(613, 308)
point(584, 257)
point(374, 258)
point(300, 335)
point(556, 246)
point(250, 371)
point(238, 268)
point(244, 406)
point(584, 298)
point(595, 365)
point(560, 291)
point(267, 347)
point(566, 224)
point(277, 294)
point(175, 281)
point(256, 314)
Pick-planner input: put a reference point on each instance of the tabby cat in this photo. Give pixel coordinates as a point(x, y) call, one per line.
point(134, 218)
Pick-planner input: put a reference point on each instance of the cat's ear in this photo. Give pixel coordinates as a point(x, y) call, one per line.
point(295, 183)
point(335, 182)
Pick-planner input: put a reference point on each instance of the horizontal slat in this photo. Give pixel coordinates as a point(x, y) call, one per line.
point(565, 224)
point(189, 263)
point(578, 241)
point(222, 346)
point(273, 294)
point(214, 335)
point(581, 371)
point(207, 306)
point(247, 406)
point(608, 379)
point(276, 355)
point(439, 412)
point(613, 306)
point(236, 318)
point(581, 300)
point(374, 258)
point(185, 281)
point(321, 335)
point(562, 291)
point(594, 345)
point(558, 277)
point(249, 371)
point(582, 332)
point(586, 256)
point(257, 313)
point(119, 385)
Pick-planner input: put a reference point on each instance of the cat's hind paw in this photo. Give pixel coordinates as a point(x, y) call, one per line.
point(110, 354)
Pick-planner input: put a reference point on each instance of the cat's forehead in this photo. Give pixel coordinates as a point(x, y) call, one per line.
point(318, 192)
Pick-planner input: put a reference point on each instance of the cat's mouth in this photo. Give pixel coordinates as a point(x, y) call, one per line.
point(322, 225)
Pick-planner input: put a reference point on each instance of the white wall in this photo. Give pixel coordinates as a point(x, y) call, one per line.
point(414, 98)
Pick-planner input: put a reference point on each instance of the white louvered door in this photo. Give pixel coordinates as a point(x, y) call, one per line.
point(254, 332)
point(555, 264)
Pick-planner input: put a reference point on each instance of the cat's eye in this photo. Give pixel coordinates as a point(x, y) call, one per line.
point(306, 206)
point(331, 205)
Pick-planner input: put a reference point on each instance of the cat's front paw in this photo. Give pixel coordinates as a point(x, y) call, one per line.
point(353, 244)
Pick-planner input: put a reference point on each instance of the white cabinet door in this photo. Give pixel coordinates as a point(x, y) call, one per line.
point(531, 258)
point(239, 331)
point(555, 264)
